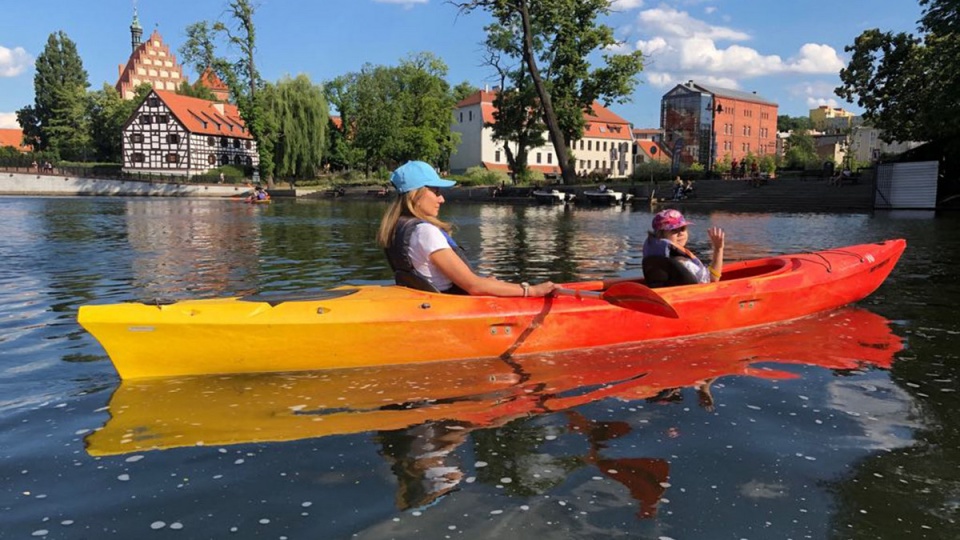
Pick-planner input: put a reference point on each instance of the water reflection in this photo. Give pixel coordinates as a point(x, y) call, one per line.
point(422, 414)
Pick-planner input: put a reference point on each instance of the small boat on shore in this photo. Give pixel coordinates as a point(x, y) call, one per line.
point(365, 326)
point(553, 196)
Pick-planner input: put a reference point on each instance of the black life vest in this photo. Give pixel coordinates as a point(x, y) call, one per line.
point(398, 255)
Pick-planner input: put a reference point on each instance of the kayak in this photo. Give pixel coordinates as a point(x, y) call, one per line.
point(155, 414)
point(350, 327)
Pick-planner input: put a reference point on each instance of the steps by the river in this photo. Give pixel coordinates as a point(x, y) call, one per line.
point(807, 194)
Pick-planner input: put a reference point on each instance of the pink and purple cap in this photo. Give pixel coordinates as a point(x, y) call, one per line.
point(668, 220)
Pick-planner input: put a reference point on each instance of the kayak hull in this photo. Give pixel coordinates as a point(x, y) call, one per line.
point(389, 325)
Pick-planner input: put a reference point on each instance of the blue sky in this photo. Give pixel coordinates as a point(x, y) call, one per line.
point(787, 52)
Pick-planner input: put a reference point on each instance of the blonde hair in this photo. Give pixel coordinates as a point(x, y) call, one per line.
point(405, 205)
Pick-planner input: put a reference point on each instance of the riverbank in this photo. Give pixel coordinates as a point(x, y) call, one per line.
point(779, 194)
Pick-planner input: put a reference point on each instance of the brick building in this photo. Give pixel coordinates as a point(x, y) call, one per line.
point(704, 124)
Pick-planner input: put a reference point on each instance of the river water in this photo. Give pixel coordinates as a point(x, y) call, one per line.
point(842, 425)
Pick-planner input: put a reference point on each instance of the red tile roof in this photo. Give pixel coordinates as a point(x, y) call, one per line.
point(652, 149)
point(602, 123)
point(13, 137)
point(205, 117)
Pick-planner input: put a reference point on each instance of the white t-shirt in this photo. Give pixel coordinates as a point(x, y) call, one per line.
point(426, 239)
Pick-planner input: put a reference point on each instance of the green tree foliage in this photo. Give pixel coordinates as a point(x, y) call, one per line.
point(295, 112)
point(196, 90)
point(801, 150)
point(787, 123)
point(57, 120)
point(462, 91)
point(241, 77)
point(555, 40)
point(908, 85)
point(391, 115)
point(108, 113)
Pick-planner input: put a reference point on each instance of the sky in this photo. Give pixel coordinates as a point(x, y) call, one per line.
point(788, 52)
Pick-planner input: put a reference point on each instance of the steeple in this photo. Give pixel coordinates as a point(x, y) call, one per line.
point(136, 31)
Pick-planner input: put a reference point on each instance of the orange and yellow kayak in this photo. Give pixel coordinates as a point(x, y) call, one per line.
point(351, 327)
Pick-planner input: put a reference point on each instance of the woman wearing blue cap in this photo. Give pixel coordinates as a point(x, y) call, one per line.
point(419, 247)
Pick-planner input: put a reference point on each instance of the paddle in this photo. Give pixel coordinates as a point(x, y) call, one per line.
point(628, 295)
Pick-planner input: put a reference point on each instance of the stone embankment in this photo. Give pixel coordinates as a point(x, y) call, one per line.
point(20, 183)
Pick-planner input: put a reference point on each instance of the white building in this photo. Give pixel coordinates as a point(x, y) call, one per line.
point(606, 146)
point(183, 136)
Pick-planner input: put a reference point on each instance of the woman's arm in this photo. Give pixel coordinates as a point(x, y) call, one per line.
point(458, 272)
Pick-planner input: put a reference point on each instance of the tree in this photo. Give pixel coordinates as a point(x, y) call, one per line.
point(296, 113)
point(908, 85)
point(241, 76)
point(196, 90)
point(394, 114)
point(57, 120)
point(787, 123)
point(801, 149)
point(560, 36)
point(108, 113)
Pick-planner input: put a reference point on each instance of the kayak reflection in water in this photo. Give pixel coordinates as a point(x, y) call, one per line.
point(419, 247)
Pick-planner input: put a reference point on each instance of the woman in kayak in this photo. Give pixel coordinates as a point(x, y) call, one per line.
point(419, 246)
point(669, 239)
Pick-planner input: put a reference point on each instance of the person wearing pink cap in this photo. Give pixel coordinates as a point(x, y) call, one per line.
point(419, 247)
point(669, 239)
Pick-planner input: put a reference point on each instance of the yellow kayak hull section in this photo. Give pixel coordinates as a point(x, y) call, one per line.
point(365, 326)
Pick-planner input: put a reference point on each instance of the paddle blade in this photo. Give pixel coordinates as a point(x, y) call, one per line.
point(639, 298)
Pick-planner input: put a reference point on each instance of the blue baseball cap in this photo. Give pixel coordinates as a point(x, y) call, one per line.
point(417, 174)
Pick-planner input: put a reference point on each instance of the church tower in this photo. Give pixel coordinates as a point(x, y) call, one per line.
point(136, 32)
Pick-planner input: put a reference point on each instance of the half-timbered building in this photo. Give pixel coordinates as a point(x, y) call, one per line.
point(184, 136)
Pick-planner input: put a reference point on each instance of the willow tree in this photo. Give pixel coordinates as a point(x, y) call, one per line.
point(295, 111)
point(555, 41)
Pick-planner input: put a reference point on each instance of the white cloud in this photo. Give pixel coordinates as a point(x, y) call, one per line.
point(625, 5)
point(14, 61)
point(8, 120)
point(815, 58)
point(680, 47)
point(817, 93)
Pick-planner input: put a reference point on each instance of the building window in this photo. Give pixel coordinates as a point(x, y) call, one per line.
point(211, 141)
point(173, 138)
point(539, 158)
point(223, 142)
point(236, 143)
point(249, 161)
point(496, 156)
point(249, 145)
point(238, 159)
point(136, 157)
point(145, 119)
point(211, 159)
point(604, 146)
point(153, 102)
point(162, 119)
point(589, 145)
point(136, 138)
point(224, 159)
point(470, 116)
point(549, 158)
point(461, 117)
point(173, 157)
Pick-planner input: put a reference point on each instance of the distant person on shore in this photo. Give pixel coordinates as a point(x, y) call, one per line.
point(419, 247)
point(668, 239)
